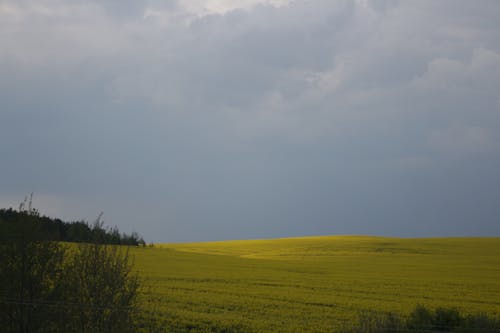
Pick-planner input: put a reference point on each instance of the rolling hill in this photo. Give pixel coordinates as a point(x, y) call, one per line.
point(316, 283)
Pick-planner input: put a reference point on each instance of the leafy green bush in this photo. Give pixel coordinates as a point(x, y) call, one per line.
point(425, 320)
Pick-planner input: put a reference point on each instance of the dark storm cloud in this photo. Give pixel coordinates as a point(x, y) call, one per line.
point(200, 120)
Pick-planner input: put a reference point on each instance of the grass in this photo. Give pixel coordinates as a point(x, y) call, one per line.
point(316, 283)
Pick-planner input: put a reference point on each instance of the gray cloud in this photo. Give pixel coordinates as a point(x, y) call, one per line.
point(201, 120)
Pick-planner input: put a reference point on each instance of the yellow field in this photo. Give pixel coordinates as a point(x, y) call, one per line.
point(316, 283)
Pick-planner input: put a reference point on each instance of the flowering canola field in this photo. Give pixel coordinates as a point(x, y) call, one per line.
point(317, 284)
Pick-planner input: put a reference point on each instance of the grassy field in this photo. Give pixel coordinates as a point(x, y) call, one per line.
point(316, 283)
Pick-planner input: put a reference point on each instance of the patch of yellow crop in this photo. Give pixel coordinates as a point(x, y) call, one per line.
point(317, 283)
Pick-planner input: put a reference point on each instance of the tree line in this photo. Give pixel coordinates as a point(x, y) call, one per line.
point(76, 232)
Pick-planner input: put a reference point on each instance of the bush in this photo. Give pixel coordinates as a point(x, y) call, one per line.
point(102, 290)
point(424, 320)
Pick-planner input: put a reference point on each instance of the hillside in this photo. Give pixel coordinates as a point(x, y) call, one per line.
point(332, 246)
point(296, 284)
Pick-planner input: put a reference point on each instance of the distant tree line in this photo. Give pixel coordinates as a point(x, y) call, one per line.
point(76, 232)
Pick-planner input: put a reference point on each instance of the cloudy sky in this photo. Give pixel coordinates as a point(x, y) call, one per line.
point(192, 120)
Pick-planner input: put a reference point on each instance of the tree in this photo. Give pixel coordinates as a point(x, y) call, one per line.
point(30, 275)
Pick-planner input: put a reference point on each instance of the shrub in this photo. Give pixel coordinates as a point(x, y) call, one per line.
point(424, 320)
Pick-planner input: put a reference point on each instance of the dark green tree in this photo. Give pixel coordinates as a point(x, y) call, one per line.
point(30, 275)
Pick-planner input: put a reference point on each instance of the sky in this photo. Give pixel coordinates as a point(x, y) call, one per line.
point(199, 120)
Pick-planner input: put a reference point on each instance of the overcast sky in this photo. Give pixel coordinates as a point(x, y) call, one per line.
point(197, 120)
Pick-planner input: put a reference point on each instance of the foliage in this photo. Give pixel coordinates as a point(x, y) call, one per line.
point(423, 320)
point(46, 286)
point(78, 232)
point(102, 289)
point(30, 276)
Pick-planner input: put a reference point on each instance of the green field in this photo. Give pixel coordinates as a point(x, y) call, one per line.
point(316, 283)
